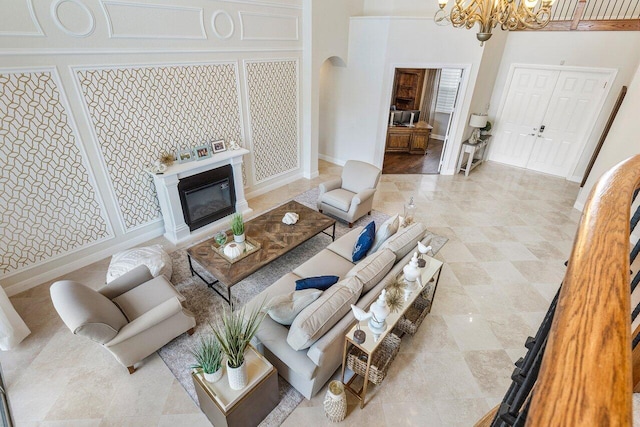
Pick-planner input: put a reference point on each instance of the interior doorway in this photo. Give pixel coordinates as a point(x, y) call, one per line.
point(422, 105)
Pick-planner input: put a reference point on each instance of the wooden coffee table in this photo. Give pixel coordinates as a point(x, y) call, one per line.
point(275, 239)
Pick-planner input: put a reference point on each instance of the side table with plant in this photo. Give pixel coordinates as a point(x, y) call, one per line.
point(234, 332)
point(208, 355)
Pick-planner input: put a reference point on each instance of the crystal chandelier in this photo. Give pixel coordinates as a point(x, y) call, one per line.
point(510, 14)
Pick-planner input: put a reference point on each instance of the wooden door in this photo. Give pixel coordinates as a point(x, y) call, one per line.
point(527, 101)
point(565, 127)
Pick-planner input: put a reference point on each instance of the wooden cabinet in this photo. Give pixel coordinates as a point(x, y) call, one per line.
point(419, 141)
point(407, 139)
point(407, 89)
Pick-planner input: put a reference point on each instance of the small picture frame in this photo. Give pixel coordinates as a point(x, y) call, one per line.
point(185, 156)
point(202, 152)
point(219, 146)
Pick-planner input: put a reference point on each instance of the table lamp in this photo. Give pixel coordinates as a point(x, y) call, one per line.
point(477, 121)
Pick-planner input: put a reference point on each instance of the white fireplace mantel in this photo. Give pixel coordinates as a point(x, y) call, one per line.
point(176, 229)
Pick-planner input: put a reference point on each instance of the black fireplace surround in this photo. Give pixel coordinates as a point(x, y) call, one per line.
point(207, 196)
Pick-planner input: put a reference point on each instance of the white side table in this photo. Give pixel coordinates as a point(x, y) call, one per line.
point(477, 153)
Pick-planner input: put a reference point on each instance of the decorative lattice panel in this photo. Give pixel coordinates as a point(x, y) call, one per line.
point(48, 206)
point(273, 104)
point(138, 113)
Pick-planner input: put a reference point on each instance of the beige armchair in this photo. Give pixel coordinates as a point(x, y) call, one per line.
point(351, 196)
point(132, 316)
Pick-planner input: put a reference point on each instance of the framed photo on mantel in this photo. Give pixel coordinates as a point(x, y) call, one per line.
point(185, 156)
point(219, 146)
point(202, 152)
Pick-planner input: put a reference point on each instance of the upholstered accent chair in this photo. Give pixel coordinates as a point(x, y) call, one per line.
point(350, 197)
point(132, 316)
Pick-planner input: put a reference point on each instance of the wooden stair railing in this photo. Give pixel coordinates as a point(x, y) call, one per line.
point(587, 372)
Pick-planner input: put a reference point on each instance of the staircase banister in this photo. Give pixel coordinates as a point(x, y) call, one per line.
point(586, 373)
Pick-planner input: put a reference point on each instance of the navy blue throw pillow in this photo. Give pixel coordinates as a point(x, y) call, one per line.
point(319, 282)
point(364, 242)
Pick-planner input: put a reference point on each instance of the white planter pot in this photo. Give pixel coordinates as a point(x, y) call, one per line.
point(212, 378)
point(238, 239)
point(237, 376)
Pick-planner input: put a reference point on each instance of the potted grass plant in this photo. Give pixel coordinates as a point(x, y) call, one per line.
point(237, 226)
point(208, 355)
point(234, 331)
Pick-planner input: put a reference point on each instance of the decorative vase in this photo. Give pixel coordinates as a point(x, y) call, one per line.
point(238, 238)
point(412, 271)
point(212, 378)
point(380, 311)
point(335, 402)
point(232, 250)
point(237, 376)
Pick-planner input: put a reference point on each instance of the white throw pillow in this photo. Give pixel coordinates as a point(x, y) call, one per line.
point(284, 308)
point(386, 230)
point(154, 257)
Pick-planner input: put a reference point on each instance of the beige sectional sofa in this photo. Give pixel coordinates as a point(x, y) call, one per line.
point(308, 352)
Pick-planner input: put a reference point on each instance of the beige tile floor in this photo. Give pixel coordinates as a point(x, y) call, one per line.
point(510, 231)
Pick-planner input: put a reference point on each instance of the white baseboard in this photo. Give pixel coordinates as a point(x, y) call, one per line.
point(575, 178)
point(76, 264)
point(438, 137)
point(332, 160)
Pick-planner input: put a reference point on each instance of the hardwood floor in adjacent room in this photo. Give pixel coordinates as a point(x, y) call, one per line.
point(399, 163)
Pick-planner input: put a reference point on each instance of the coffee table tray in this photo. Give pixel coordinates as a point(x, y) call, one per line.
point(251, 246)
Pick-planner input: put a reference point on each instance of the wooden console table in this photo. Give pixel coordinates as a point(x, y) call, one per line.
point(413, 140)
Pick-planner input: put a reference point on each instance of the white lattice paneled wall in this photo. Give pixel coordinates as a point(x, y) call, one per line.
point(137, 113)
point(272, 88)
point(48, 205)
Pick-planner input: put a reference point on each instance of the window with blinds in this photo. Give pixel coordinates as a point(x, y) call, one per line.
point(448, 89)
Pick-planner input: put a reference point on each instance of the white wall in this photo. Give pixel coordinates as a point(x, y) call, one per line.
point(362, 90)
point(622, 142)
point(600, 49)
point(489, 66)
point(68, 140)
point(329, 39)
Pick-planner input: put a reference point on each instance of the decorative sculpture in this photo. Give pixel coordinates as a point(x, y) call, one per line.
point(290, 218)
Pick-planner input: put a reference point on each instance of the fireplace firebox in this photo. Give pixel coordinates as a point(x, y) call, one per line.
point(207, 196)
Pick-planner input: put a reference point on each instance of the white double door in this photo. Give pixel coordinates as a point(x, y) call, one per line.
point(547, 117)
